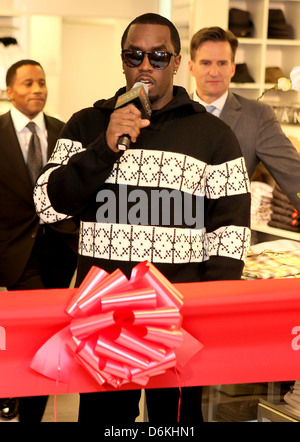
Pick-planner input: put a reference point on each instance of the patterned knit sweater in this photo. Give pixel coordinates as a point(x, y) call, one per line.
point(179, 197)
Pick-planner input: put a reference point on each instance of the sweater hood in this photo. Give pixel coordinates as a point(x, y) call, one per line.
point(180, 99)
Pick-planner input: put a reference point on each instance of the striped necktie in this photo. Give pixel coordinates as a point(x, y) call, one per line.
point(34, 156)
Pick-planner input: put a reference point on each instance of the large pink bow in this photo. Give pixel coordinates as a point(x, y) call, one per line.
point(122, 330)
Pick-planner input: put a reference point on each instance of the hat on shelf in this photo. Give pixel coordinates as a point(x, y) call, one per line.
point(242, 74)
point(277, 27)
point(6, 41)
point(240, 23)
point(272, 74)
point(10, 52)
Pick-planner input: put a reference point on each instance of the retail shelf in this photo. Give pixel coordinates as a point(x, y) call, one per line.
point(276, 232)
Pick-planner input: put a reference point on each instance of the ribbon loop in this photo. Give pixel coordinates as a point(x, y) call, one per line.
point(121, 330)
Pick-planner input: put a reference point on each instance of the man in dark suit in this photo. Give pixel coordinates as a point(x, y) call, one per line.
point(33, 255)
point(212, 55)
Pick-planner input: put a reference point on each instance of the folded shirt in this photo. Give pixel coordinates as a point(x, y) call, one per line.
point(261, 194)
point(279, 195)
point(284, 226)
point(283, 213)
point(269, 265)
point(286, 211)
point(292, 397)
point(283, 219)
point(283, 204)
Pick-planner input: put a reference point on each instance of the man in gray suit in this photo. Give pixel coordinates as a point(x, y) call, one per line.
point(255, 125)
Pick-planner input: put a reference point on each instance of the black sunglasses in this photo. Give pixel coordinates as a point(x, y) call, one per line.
point(158, 59)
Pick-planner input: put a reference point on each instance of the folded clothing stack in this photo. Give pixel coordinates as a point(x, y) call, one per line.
point(283, 214)
point(292, 397)
point(261, 195)
point(272, 265)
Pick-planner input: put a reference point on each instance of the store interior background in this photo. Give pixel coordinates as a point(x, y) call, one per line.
point(78, 45)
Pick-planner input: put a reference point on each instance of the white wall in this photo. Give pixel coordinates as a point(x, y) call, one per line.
point(91, 63)
point(45, 37)
point(6, 4)
point(88, 8)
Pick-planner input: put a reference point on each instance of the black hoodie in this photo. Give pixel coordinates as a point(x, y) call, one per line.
point(185, 153)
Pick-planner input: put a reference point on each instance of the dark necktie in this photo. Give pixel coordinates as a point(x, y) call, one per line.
point(34, 157)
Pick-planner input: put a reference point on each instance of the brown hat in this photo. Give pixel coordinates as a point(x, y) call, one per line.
point(272, 74)
point(242, 74)
point(240, 23)
point(278, 28)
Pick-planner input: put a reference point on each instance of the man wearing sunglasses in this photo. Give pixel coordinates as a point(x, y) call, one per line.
point(182, 149)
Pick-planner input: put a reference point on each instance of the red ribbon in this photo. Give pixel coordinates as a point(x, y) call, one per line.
point(122, 330)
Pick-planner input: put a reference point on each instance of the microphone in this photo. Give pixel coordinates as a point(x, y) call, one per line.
point(138, 95)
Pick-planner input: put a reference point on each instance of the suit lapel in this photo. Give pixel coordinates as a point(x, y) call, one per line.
point(231, 112)
point(52, 135)
point(11, 150)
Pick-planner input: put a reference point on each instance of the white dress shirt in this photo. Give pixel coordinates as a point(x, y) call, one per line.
point(219, 103)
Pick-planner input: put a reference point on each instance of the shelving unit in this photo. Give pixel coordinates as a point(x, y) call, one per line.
point(260, 52)
point(295, 236)
point(12, 24)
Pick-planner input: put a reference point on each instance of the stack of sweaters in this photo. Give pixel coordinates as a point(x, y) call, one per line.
point(261, 196)
point(283, 214)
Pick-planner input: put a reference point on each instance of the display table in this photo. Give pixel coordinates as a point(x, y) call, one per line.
point(276, 412)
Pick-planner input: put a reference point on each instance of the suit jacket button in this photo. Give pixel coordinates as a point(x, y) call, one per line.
point(33, 235)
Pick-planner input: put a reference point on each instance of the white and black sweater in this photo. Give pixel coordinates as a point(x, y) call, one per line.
point(184, 149)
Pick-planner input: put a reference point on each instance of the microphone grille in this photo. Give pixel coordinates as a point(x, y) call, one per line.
point(139, 83)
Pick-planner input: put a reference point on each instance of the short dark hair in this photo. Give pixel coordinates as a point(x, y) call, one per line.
point(214, 33)
point(155, 19)
point(11, 72)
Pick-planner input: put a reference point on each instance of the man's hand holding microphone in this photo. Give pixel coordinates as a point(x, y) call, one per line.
point(132, 113)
